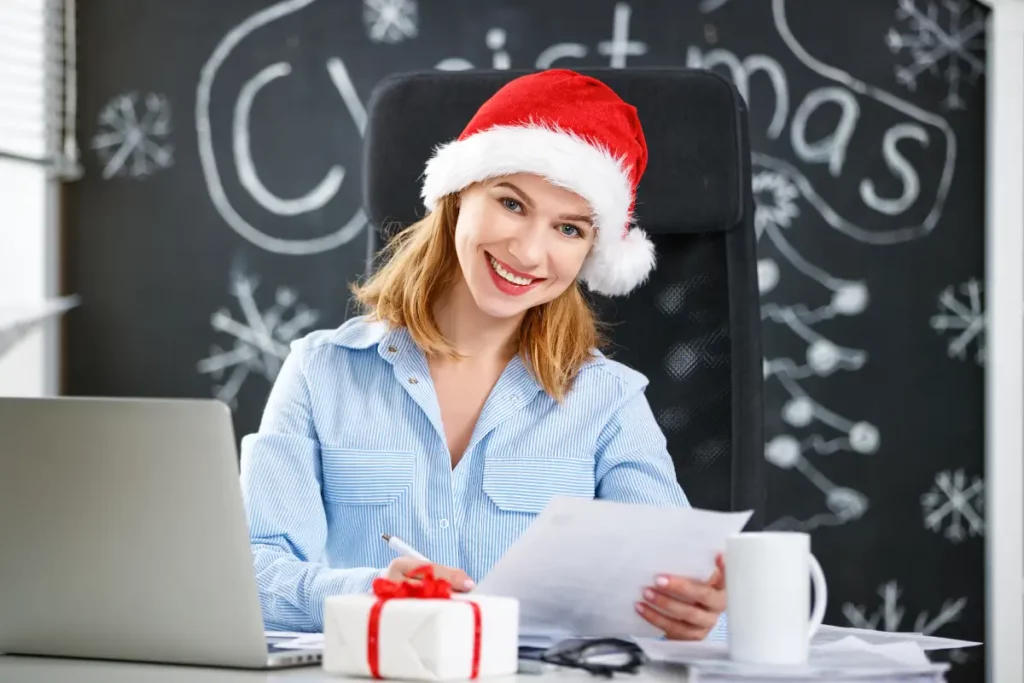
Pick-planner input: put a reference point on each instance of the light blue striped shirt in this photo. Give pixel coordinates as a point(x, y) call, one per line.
point(351, 445)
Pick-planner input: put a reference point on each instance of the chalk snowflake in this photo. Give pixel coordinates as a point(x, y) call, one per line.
point(944, 40)
point(390, 21)
point(889, 615)
point(955, 504)
point(966, 315)
point(132, 135)
point(261, 340)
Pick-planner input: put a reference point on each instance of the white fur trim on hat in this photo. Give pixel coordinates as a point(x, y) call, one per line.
point(616, 264)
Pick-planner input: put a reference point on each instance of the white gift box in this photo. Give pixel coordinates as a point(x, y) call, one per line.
point(422, 639)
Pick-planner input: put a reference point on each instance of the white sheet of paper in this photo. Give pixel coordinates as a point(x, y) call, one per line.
point(848, 657)
point(582, 565)
point(297, 641)
point(827, 634)
point(828, 639)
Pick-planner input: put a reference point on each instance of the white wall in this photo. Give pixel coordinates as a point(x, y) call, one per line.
point(23, 272)
point(25, 256)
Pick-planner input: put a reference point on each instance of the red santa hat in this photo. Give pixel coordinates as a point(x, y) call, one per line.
point(574, 131)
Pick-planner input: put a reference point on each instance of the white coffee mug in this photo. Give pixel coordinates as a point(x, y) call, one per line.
point(769, 615)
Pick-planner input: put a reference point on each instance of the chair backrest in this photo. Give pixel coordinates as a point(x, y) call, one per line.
point(694, 327)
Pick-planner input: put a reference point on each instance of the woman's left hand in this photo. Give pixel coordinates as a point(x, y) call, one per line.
point(683, 608)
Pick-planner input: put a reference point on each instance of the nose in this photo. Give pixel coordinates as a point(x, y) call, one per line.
point(527, 244)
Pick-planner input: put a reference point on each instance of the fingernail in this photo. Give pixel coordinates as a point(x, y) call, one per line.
point(662, 581)
point(468, 584)
point(639, 608)
point(649, 594)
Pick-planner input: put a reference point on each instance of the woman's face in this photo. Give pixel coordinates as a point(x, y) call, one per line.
point(521, 242)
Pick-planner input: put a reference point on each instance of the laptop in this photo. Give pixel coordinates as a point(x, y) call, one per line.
point(123, 535)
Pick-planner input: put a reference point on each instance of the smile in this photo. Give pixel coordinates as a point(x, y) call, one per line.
point(508, 280)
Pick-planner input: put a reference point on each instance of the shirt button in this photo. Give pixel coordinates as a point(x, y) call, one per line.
point(392, 349)
point(413, 380)
point(444, 523)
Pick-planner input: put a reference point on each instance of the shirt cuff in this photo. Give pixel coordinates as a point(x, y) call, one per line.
point(720, 632)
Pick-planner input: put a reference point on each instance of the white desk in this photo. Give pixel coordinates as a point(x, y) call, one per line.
point(46, 670)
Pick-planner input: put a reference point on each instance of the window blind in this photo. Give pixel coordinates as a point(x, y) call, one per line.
point(37, 84)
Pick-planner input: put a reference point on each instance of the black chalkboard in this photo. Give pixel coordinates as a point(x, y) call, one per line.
point(220, 217)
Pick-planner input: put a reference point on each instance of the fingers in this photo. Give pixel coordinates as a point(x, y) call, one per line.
point(690, 591)
point(401, 566)
point(719, 572)
point(678, 610)
point(459, 579)
point(673, 630)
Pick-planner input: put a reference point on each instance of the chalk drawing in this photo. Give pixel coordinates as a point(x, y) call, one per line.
point(954, 505)
point(962, 311)
point(889, 615)
point(788, 207)
point(946, 40)
point(618, 49)
point(390, 21)
point(260, 340)
point(132, 136)
point(316, 198)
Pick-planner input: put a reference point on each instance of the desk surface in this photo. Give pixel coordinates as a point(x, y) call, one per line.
point(16, 669)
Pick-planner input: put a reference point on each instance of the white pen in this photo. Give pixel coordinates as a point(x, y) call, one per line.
point(401, 547)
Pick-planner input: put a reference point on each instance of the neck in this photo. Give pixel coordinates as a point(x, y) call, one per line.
point(473, 333)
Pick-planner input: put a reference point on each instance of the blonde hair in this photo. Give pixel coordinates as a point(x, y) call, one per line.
point(555, 338)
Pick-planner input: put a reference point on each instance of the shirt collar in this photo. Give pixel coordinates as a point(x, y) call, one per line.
point(360, 333)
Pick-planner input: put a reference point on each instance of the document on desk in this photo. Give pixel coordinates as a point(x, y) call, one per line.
point(582, 565)
point(849, 658)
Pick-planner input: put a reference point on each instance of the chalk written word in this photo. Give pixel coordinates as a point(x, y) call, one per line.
point(244, 164)
point(617, 50)
point(849, 97)
point(915, 140)
point(918, 149)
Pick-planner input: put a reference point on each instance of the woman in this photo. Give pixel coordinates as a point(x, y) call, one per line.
point(472, 391)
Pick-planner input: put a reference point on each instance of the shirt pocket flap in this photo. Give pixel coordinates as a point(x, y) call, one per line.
point(354, 476)
point(527, 484)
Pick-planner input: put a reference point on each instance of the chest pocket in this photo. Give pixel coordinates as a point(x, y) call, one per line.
point(366, 477)
point(527, 484)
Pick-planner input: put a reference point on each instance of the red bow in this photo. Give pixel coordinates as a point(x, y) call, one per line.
point(423, 585)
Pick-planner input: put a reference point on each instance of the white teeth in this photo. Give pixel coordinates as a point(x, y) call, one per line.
point(505, 275)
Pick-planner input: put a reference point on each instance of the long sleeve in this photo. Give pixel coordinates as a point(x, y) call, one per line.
point(634, 466)
point(281, 483)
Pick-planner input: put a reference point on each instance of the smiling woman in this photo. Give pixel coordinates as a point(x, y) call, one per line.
point(504, 253)
point(473, 389)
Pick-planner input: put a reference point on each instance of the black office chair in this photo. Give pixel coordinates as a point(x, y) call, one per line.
point(694, 327)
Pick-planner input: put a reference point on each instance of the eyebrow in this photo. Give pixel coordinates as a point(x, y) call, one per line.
point(526, 200)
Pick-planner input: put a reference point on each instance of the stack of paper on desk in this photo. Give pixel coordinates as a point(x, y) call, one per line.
point(582, 565)
point(837, 654)
point(289, 640)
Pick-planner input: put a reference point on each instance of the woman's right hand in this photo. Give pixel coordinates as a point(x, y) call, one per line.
point(401, 566)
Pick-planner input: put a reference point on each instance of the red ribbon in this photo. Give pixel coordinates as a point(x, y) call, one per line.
point(422, 586)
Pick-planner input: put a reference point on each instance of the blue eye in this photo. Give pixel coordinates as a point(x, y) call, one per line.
point(511, 204)
point(573, 231)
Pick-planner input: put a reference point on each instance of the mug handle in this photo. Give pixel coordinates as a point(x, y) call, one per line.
point(820, 597)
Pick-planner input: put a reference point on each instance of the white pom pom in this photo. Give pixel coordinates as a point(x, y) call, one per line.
point(617, 266)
